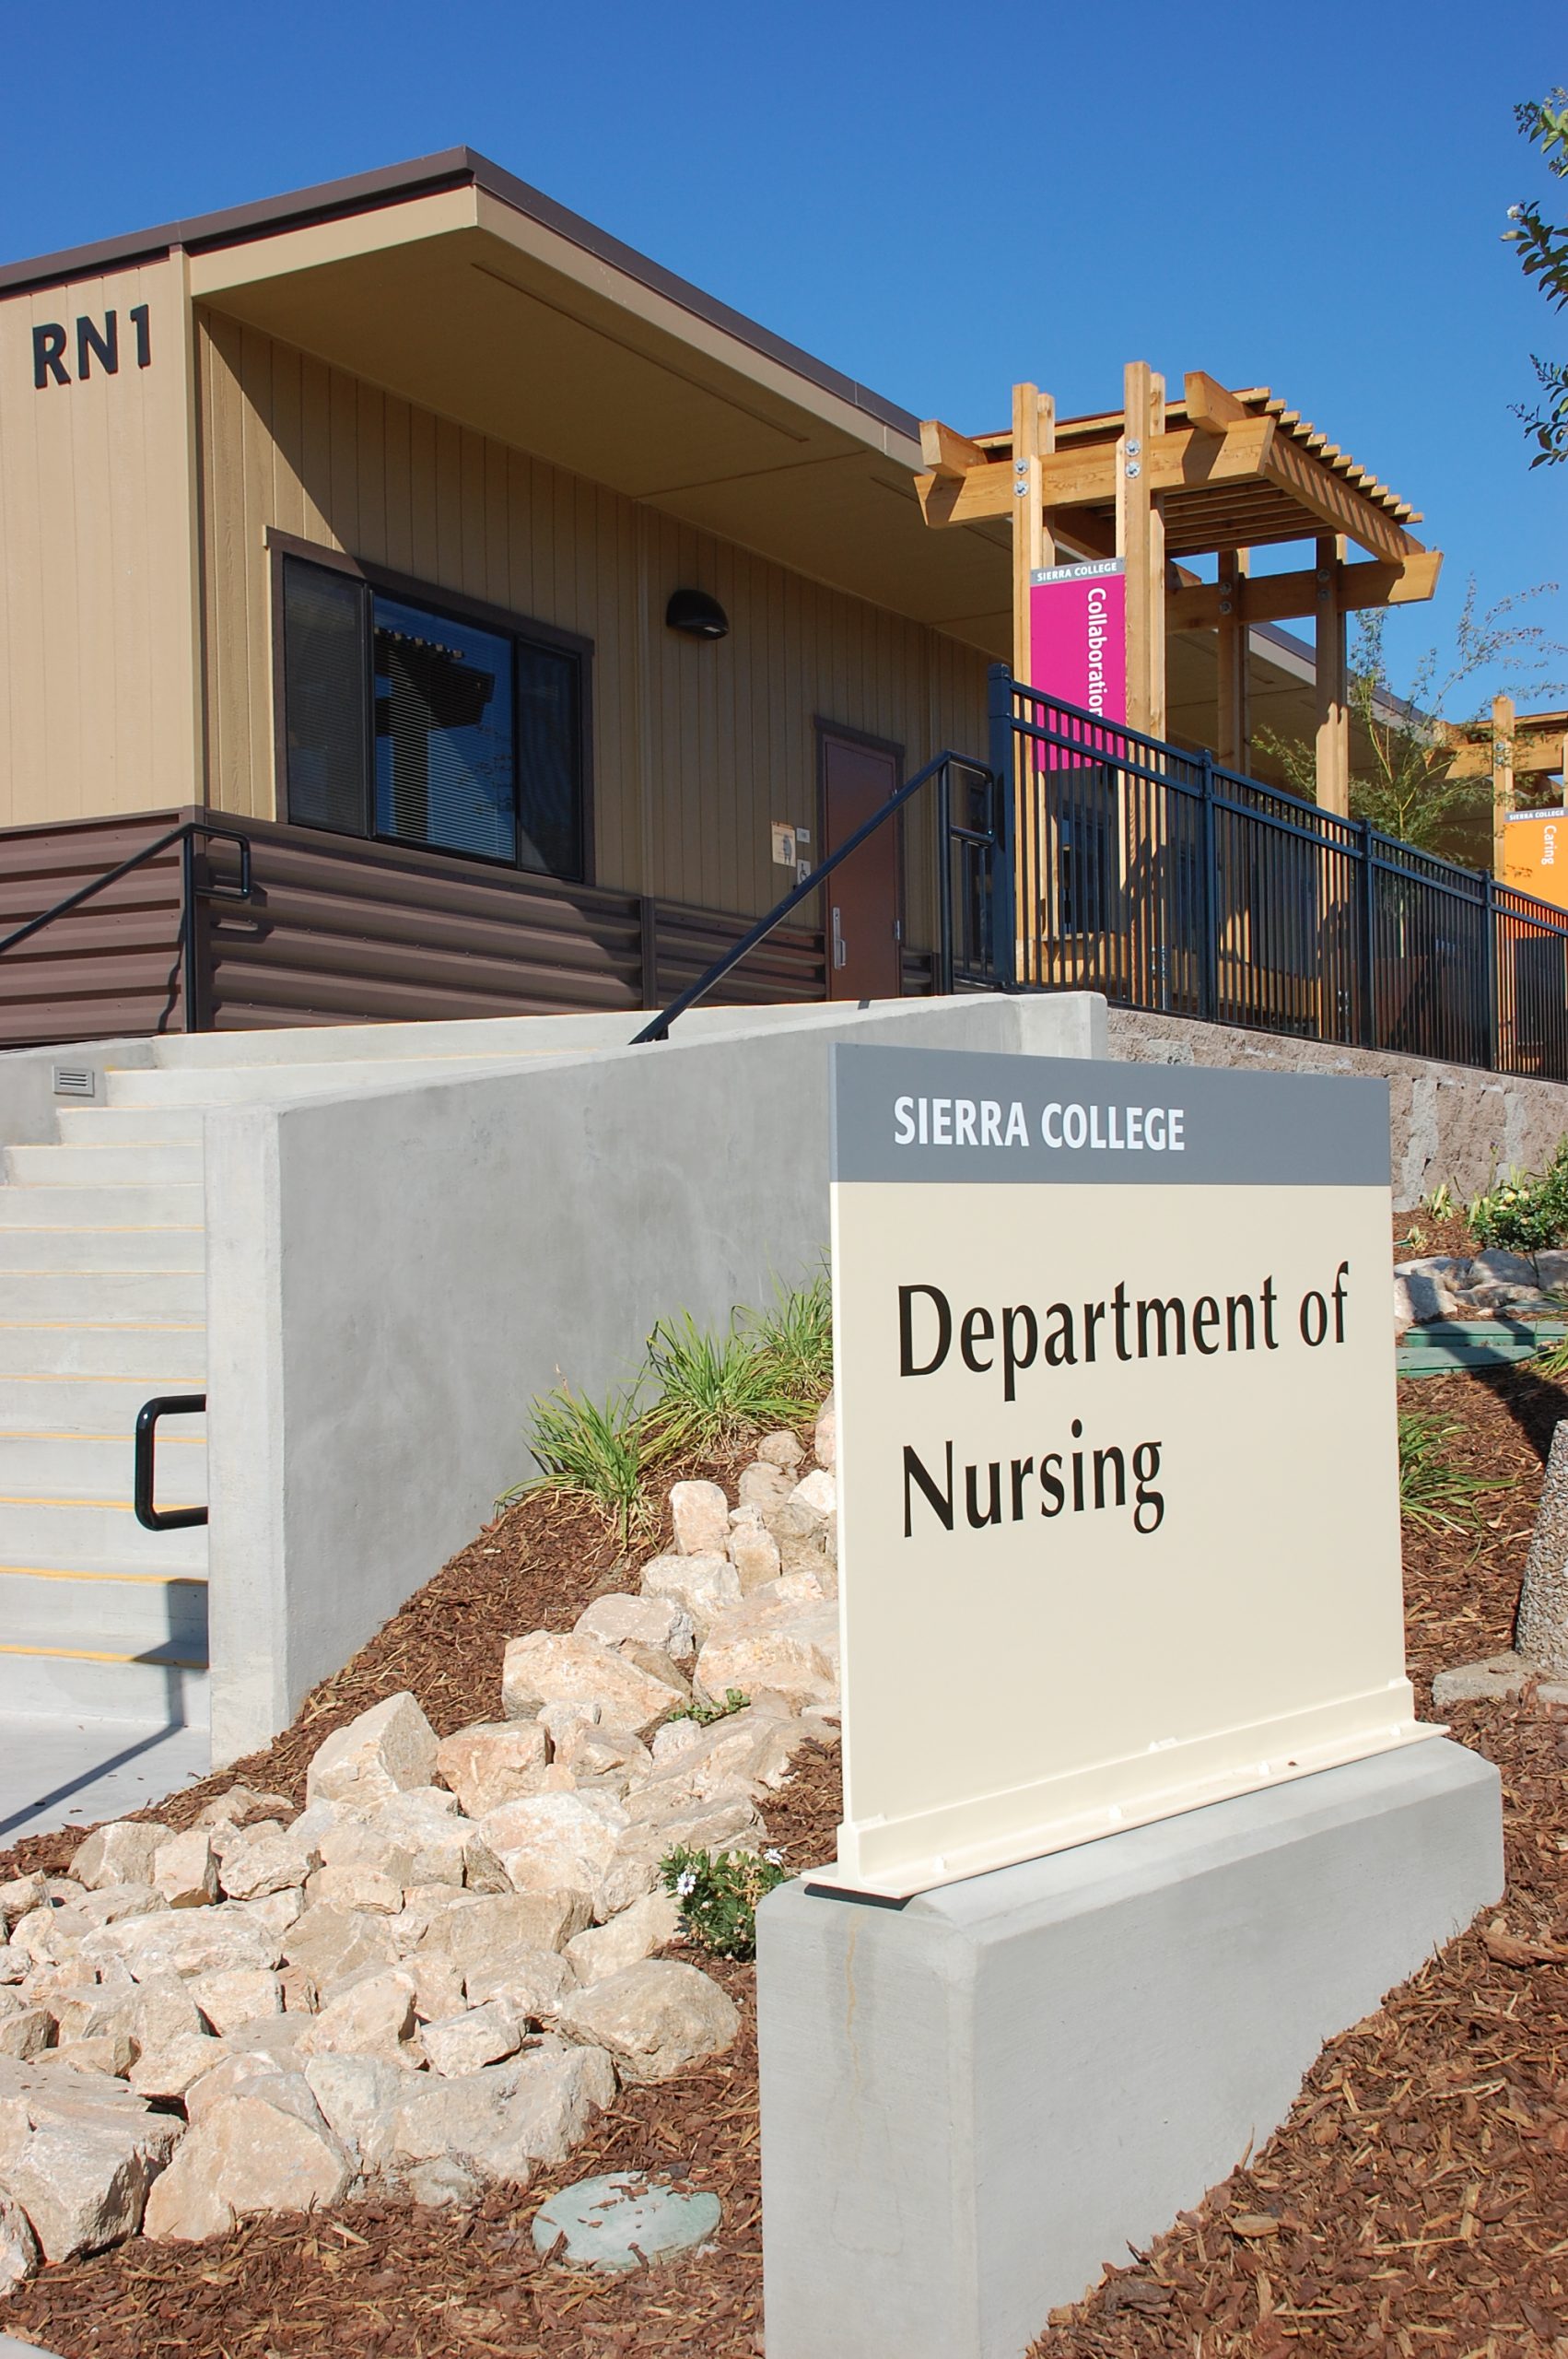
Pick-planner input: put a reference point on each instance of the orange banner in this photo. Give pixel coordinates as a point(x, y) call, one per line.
point(1535, 854)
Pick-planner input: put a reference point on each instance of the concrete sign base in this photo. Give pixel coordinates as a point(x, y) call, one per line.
point(971, 2103)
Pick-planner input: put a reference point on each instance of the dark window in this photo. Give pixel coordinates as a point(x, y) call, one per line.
point(406, 722)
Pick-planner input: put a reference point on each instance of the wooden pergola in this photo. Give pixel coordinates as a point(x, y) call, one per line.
point(1217, 474)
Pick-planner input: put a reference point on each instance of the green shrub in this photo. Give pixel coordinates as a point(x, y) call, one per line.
point(793, 1343)
point(718, 1897)
point(1433, 1490)
point(598, 1449)
point(712, 1388)
point(706, 1714)
point(1527, 1213)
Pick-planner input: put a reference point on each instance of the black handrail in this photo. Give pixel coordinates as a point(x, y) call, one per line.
point(152, 1517)
point(659, 1029)
point(184, 836)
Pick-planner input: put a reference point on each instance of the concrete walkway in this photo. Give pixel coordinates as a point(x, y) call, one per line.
point(73, 1773)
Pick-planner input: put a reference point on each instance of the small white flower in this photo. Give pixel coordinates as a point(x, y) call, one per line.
point(685, 1883)
point(774, 1859)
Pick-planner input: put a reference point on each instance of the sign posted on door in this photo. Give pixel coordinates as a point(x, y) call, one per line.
point(1118, 1501)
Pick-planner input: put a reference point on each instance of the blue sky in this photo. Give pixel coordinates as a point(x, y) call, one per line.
point(1311, 200)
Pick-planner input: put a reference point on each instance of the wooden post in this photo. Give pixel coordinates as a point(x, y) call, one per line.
point(1503, 717)
point(1034, 429)
point(1333, 687)
point(1141, 543)
point(1235, 719)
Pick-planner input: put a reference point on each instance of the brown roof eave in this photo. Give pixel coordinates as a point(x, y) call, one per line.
point(450, 168)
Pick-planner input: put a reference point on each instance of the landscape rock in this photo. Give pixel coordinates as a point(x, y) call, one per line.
point(241, 1805)
point(185, 1870)
point(244, 2157)
point(120, 1852)
point(19, 2246)
point(781, 1639)
point(492, 1763)
point(384, 1752)
point(650, 1924)
point(367, 1888)
point(826, 1439)
point(705, 1586)
point(26, 2033)
point(621, 2220)
point(371, 2018)
point(553, 1843)
point(475, 1929)
point(531, 1983)
point(165, 2073)
point(437, 1986)
point(465, 2042)
point(237, 1997)
point(268, 1859)
point(763, 1486)
point(357, 2096)
point(328, 1944)
point(724, 1823)
point(184, 1941)
point(748, 1750)
point(507, 2119)
point(653, 2018)
point(700, 1514)
point(162, 2011)
point(81, 2185)
point(110, 2053)
point(781, 1450)
point(19, 1898)
point(547, 1668)
point(619, 1620)
point(753, 1550)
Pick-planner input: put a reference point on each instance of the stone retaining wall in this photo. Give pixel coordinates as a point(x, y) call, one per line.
point(1449, 1122)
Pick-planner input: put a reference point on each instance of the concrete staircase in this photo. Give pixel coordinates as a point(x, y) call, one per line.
point(103, 1652)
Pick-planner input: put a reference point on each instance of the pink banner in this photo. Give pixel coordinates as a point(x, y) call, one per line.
point(1078, 636)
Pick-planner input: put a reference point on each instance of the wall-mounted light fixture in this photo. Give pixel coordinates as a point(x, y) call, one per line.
point(696, 614)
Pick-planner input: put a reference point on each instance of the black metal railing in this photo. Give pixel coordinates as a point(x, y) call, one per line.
point(192, 888)
point(144, 1492)
point(973, 887)
point(1153, 876)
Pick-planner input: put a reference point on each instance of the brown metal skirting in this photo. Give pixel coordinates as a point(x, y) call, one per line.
point(340, 931)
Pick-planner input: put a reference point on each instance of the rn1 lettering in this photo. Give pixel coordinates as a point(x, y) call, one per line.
point(94, 343)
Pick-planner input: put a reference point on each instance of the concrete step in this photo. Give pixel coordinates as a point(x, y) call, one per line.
point(42, 1246)
point(67, 1530)
point(52, 1462)
point(176, 1161)
point(88, 1406)
point(155, 1099)
point(171, 1357)
point(55, 1682)
point(142, 1125)
point(152, 1205)
point(153, 1296)
point(498, 1035)
point(143, 1617)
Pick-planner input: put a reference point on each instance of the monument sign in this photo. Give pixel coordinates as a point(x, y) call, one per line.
point(1119, 1512)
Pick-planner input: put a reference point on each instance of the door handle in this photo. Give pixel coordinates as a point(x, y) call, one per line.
point(840, 955)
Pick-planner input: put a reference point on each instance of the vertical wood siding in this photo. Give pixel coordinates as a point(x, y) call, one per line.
point(698, 747)
point(97, 562)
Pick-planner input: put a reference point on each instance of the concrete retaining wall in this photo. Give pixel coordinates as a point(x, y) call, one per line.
point(392, 1278)
point(1449, 1122)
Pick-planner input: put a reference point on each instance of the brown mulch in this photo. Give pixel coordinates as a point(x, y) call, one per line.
point(1416, 1234)
point(1416, 2201)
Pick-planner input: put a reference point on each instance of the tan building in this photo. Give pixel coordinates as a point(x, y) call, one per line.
point(525, 610)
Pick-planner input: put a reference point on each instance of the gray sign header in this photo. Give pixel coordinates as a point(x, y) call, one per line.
point(928, 1114)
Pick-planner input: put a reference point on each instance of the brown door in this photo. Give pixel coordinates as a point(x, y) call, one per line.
point(864, 952)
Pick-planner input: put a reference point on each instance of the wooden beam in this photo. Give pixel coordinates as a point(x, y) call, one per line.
point(1282, 597)
point(1336, 503)
point(1333, 685)
point(1075, 477)
point(1234, 720)
point(948, 454)
point(1209, 406)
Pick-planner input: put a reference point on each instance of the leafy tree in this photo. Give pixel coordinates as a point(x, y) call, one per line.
point(1543, 255)
point(1408, 788)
